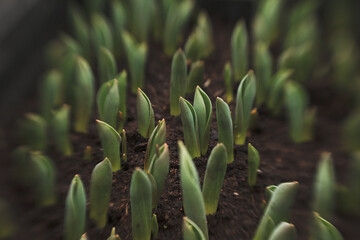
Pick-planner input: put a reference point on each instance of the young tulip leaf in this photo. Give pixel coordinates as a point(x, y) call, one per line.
point(263, 67)
point(278, 208)
point(244, 102)
point(253, 164)
point(178, 81)
point(196, 76)
point(122, 83)
point(284, 231)
point(102, 34)
point(108, 101)
point(225, 128)
point(113, 235)
point(193, 201)
point(190, 127)
point(214, 178)
point(324, 187)
point(154, 226)
point(239, 50)
point(100, 188)
point(106, 65)
point(141, 18)
point(228, 82)
point(203, 110)
point(50, 93)
point(61, 130)
point(145, 114)
point(110, 141)
point(159, 169)
point(32, 131)
point(141, 205)
point(324, 230)
point(119, 20)
point(83, 95)
point(157, 138)
point(191, 231)
point(75, 210)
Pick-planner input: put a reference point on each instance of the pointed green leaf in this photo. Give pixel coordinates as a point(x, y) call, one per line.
point(154, 226)
point(157, 138)
point(108, 102)
point(106, 65)
point(61, 130)
point(191, 231)
point(122, 83)
point(239, 50)
point(101, 31)
point(113, 235)
point(225, 128)
point(284, 231)
point(100, 188)
point(253, 164)
point(178, 81)
point(145, 114)
point(110, 141)
point(32, 131)
point(214, 178)
point(196, 76)
point(324, 230)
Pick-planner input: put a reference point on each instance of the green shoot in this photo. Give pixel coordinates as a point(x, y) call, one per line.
point(106, 65)
point(178, 81)
point(108, 101)
point(196, 76)
point(225, 128)
point(32, 132)
point(191, 231)
point(157, 138)
point(253, 164)
point(239, 51)
point(61, 130)
point(228, 79)
point(145, 114)
point(284, 231)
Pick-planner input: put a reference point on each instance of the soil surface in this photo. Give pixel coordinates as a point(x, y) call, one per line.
point(240, 208)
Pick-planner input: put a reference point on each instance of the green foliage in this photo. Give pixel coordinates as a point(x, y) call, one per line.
point(106, 65)
point(141, 205)
point(324, 230)
point(83, 95)
point(301, 119)
point(178, 81)
point(178, 15)
point(119, 21)
point(191, 231)
point(193, 201)
point(278, 208)
point(284, 231)
point(203, 110)
point(253, 164)
point(122, 82)
point(228, 79)
point(32, 131)
point(225, 128)
point(113, 235)
point(239, 51)
point(196, 76)
point(324, 187)
point(75, 210)
point(50, 93)
point(214, 178)
point(100, 189)
point(145, 114)
point(244, 102)
point(101, 31)
point(157, 138)
point(110, 141)
point(136, 59)
point(154, 226)
point(108, 101)
point(141, 18)
point(263, 65)
point(61, 130)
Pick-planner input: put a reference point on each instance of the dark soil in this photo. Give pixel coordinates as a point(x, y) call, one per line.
point(240, 208)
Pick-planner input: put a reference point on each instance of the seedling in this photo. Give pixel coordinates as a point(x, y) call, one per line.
point(244, 102)
point(191, 231)
point(193, 201)
point(108, 101)
point(61, 130)
point(113, 235)
point(263, 67)
point(145, 114)
point(228, 79)
point(110, 141)
point(178, 81)
point(119, 20)
point(253, 164)
point(100, 188)
point(141, 18)
point(284, 231)
point(225, 128)
point(239, 51)
point(75, 210)
point(157, 138)
point(196, 76)
point(32, 132)
point(101, 32)
point(106, 65)
point(214, 178)
point(324, 230)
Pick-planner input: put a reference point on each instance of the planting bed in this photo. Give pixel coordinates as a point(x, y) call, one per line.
point(240, 208)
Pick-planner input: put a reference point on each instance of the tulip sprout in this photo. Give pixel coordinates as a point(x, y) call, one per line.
point(50, 94)
point(239, 51)
point(157, 137)
point(228, 82)
point(84, 237)
point(61, 130)
point(32, 131)
point(244, 102)
point(277, 209)
point(284, 231)
point(196, 76)
point(324, 187)
point(214, 178)
point(141, 18)
point(100, 188)
point(145, 114)
point(141, 205)
point(301, 119)
point(83, 95)
point(193, 201)
point(113, 235)
point(178, 81)
point(102, 34)
point(75, 210)
point(136, 58)
point(253, 164)
point(106, 65)
point(324, 230)
point(191, 231)
point(108, 101)
point(119, 20)
point(110, 141)
point(122, 82)
point(225, 128)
